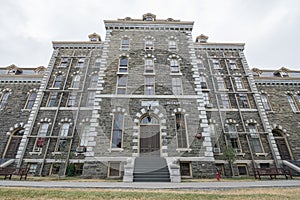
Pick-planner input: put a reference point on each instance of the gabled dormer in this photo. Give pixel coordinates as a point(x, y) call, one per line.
point(13, 70)
point(202, 38)
point(94, 37)
point(149, 17)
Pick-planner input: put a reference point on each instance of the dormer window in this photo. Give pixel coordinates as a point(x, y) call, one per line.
point(148, 18)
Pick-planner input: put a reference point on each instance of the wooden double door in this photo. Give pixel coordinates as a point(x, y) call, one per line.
point(150, 140)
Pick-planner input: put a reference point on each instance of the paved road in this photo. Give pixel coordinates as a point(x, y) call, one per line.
point(120, 185)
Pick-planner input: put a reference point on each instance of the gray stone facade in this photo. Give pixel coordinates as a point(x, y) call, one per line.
point(97, 98)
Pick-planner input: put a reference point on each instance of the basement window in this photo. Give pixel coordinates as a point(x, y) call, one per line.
point(185, 169)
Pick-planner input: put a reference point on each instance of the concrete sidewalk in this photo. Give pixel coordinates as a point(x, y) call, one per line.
point(159, 185)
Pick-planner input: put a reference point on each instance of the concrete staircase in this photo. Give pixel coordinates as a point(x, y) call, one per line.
point(151, 169)
point(5, 162)
point(293, 166)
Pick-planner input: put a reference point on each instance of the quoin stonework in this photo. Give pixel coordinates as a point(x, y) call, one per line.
point(148, 103)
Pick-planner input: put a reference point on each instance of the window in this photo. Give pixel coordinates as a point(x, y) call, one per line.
point(52, 99)
point(121, 86)
point(203, 82)
point(58, 81)
point(117, 132)
point(292, 103)
point(12, 71)
point(232, 64)
point(123, 67)
point(84, 135)
point(206, 98)
point(125, 43)
point(265, 102)
point(185, 169)
point(76, 81)
point(176, 86)
point(94, 81)
point(220, 83)
point(148, 44)
point(30, 100)
point(42, 134)
point(298, 98)
point(90, 100)
point(255, 139)
point(62, 143)
point(4, 99)
point(216, 64)
point(233, 137)
point(149, 66)
point(172, 45)
point(242, 170)
point(174, 66)
point(238, 83)
point(98, 62)
point(114, 169)
point(72, 99)
point(32, 168)
point(80, 62)
point(149, 86)
point(225, 101)
point(199, 65)
point(244, 100)
point(64, 62)
point(181, 131)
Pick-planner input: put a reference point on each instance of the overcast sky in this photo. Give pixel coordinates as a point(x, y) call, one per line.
point(270, 28)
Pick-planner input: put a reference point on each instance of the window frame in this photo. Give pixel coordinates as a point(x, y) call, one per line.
point(114, 169)
point(41, 135)
point(225, 101)
point(177, 86)
point(172, 45)
point(91, 99)
point(80, 62)
point(94, 81)
point(149, 44)
point(57, 81)
point(174, 66)
point(149, 85)
point(265, 102)
point(149, 66)
point(121, 87)
point(125, 45)
point(292, 103)
point(244, 99)
point(76, 81)
point(97, 62)
point(71, 98)
point(239, 83)
point(4, 99)
point(255, 139)
point(183, 133)
point(123, 66)
point(84, 135)
point(52, 99)
point(117, 131)
point(30, 100)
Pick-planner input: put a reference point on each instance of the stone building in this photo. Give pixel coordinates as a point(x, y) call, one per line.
point(147, 103)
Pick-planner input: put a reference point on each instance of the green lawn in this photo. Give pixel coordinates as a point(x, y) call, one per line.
point(43, 193)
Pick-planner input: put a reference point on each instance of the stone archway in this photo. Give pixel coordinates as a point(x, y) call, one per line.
point(13, 143)
point(282, 144)
point(149, 137)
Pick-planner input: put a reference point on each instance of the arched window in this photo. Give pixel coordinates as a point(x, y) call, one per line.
point(265, 102)
point(62, 142)
point(117, 131)
point(149, 120)
point(76, 81)
point(149, 44)
point(174, 66)
point(3, 100)
point(172, 45)
point(84, 135)
point(41, 135)
point(30, 100)
point(233, 137)
point(58, 81)
point(149, 65)
point(123, 65)
point(181, 130)
point(125, 43)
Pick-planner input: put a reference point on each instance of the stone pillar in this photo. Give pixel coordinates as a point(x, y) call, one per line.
point(128, 170)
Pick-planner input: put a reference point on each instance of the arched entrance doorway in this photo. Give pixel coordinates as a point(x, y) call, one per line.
point(13, 143)
point(282, 144)
point(149, 136)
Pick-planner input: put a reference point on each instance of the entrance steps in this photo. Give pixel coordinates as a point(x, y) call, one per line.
point(151, 169)
point(6, 162)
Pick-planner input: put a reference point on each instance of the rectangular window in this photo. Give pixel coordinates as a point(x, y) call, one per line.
point(149, 86)
point(72, 99)
point(114, 169)
point(181, 131)
point(123, 66)
point(57, 82)
point(242, 170)
point(91, 99)
point(255, 139)
point(225, 101)
point(42, 134)
point(220, 83)
point(244, 100)
point(64, 62)
point(199, 65)
point(174, 66)
point(84, 135)
point(62, 143)
point(94, 81)
point(216, 64)
point(76, 81)
point(117, 132)
point(233, 136)
point(31, 100)
point(232, 64)
point(176, 86)
point(185, 169)
point(80, 62)
point(121, 86)
point(52, 99)
point(203, 82)
point(238, 83)
point(125, 43)
point(149, 66)
point(32, 168)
